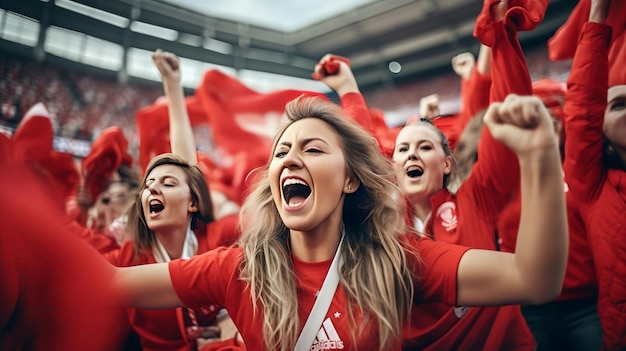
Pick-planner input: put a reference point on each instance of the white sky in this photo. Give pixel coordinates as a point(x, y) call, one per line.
point(283, 15)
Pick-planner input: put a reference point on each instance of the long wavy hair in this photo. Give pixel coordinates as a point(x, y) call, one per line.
point(375, 275)
point(143, 237)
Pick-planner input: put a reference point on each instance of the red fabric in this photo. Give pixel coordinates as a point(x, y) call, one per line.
point(467, 219)
point(54, 291)
point(153, 127)
point(214, 278)
point(552, 93)
point(600, 189)
point(226, 345)
point(165, 329)
point(580, 278)
point(102, 243)
point(449, 125)
point(522, 15)
point(474, 98)
point(563, 44)
point(330, 67)
point(107, 153)
point(242, 122)
point(33, 137)
point(32, 143)
point(617, 59)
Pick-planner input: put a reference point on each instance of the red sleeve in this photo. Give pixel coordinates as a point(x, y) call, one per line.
point(204, 279)
point(474, 97)
point(355, 107)
point(585, 102)
point(497, 167)
point(372, 120)
point(437, 266)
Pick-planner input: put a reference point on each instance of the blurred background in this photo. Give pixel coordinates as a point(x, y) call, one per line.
point(89, 60)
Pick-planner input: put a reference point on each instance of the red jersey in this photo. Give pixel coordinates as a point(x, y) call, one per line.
point(599, 188)
point(165, 329)
point(213, 278)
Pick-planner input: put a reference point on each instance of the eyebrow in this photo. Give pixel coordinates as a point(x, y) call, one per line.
point(303, 142)
point(165, 177)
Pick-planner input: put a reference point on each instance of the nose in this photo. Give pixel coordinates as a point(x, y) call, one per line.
point(153, 188)
point(413, 154)
point(291, 160)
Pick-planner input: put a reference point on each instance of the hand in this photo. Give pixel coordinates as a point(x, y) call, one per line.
point(463, 64)
point(341, 82)
point(168, 65)
point(499, 10)
point(429, 106)
point(522, 123)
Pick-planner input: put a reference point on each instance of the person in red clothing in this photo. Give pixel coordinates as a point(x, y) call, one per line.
point(327, 206)
point(172, 217)
point(110, 182)
point(54, 288)
point(570, 322)
point(595, 150)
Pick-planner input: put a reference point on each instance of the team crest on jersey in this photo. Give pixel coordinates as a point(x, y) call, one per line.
point(447, 214)
point(327, 338)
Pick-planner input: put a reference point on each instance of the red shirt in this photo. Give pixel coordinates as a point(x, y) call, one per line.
point(166, 329)
point(213, 278)
point(599, 188)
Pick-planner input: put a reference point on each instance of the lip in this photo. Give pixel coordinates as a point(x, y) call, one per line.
point(152, 215)
point(286, 207)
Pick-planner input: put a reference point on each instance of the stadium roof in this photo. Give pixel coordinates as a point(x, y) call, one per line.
point(284, 37)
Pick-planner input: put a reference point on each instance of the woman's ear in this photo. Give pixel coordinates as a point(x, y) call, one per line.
point(448, 166)
point(193, 207)
point(351, 186)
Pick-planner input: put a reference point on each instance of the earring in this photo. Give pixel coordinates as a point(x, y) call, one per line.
point(349, 188)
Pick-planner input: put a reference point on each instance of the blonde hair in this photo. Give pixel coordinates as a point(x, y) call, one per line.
point(375, 275)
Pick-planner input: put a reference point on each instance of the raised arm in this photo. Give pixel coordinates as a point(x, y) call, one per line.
point(585, 102)
point(342, 81)
point(181, 134)
point(534, 274)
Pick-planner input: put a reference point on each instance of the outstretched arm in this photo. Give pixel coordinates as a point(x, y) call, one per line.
point(146, 286)
point(534, 274)
point(181, 135)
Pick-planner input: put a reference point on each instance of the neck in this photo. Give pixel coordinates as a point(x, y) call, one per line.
point(316, 245)
point(173, 241)
point(421, 208)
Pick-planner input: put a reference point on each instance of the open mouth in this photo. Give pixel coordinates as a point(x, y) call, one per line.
point(414, 172)
point(155, 206)
point(295, 191)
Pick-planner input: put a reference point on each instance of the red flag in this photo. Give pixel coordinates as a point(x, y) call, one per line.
point(107, 153)
point(243, 123)
point(564, 42)
point(32, 144)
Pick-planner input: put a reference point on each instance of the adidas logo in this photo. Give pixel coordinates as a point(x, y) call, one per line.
point(327, 338)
